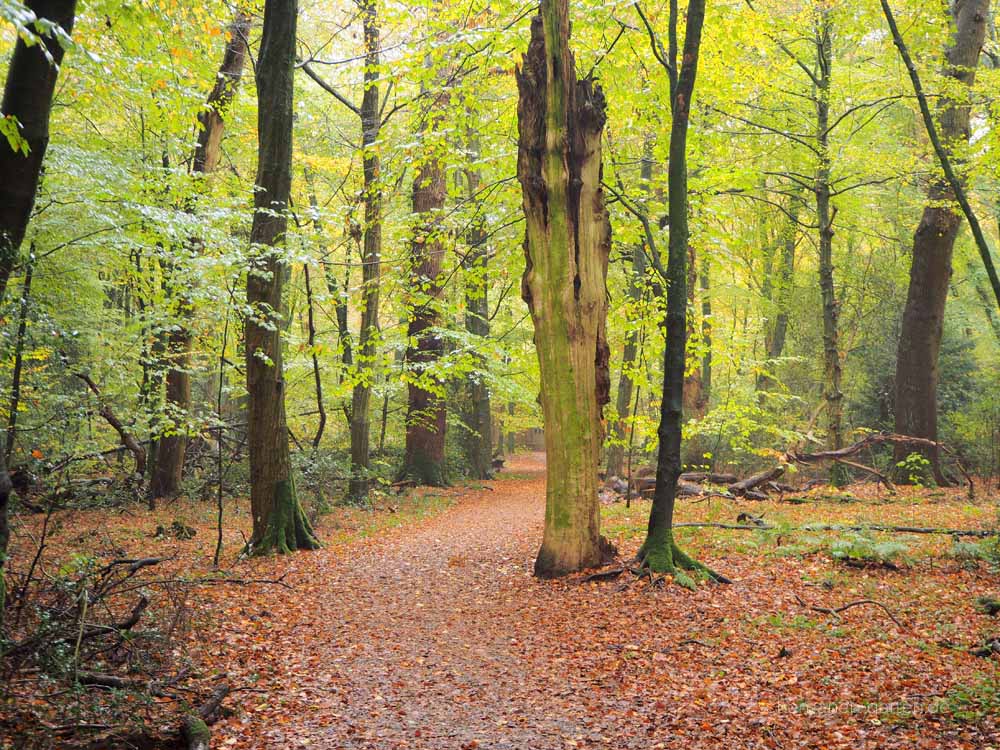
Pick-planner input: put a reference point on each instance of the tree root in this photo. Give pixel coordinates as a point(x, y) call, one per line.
point(667, 558)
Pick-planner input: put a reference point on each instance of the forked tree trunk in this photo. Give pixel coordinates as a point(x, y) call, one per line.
point(168, 468)
point(371, 259)
point(933, 244)
point(626, 385)
point(478, 418)
point(424, 459)
point(279, 524)
point(27, 96)
point(568, 238)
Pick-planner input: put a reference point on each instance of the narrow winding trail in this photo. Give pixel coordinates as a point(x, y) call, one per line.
point(435, 635)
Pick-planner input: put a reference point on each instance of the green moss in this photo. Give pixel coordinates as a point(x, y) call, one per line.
point(287, 528)
point(660, 554)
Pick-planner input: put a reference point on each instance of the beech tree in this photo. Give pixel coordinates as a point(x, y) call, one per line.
point(917, 371)
point(25, 109)
point(568, 238)
point(279, 523)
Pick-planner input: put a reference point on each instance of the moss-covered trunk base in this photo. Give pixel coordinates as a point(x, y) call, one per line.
point(287, 529)
point(660, 554)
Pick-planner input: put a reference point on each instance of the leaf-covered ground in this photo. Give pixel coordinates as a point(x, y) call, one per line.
point(433, 634)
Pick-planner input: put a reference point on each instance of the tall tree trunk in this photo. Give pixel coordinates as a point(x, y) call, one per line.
point(478, 438)
point(567, 241)
point(659, 551)
point(626, 385)
point(426, 419)
point(704, 276)
point(279, 524)
point(168, 468)
point(27, 96)
point(317, 373)
point(15, 378)
point(825, 215)
point(371, 259)
point(933, 244)
point(777, 295)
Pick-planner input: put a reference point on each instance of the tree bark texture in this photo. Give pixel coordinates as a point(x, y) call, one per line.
point(371, 260)
point(567, 241)
point(426, 417)
point(477, 418)
point(279, 524)
point(933, 244)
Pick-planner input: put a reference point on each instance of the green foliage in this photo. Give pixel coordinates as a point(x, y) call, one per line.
point(858, 547)
point(970, 701)
point(916, 469)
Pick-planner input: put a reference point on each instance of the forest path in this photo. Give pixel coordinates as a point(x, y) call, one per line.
point(435, 635)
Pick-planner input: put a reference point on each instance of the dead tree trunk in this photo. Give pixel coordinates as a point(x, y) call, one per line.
point(568, 238)
point(168, 470)
point(279, 524)
point(128, 439)
point(933, 243)
point(27, 97)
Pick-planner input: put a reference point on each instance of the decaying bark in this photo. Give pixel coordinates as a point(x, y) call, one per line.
point(567, 241)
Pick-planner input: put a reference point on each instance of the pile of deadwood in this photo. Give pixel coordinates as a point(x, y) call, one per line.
point(764, 483)
point(85, 629)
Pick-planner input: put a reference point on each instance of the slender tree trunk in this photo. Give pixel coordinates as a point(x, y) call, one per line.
point(478, 420)
point(659, 551)
point(626, 385)
point(706, 332)
point(694, 396)
point(15, 378)
point(777, 294)
point(933, 244)
point(317, 375)
point(168, 468)
point(279, 524)
point(27, 96)
point(568, 238)
point(426, 419)
point(825, 214)
point(371, 259)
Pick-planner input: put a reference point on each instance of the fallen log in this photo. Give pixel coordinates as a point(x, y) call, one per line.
point(195, 726)
point(751, 482)
point(709, 477)
point(975, 533)
point(882, 438)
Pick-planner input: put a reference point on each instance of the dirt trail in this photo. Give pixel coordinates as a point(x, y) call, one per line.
point(435, 635)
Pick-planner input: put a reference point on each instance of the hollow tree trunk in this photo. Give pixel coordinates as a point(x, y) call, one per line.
point(626, 385)
point(279, 524)
point(371, 259)
point(933, 244)
point(168, 469)
point(423, 459)
point(27, 96)
point(567, 241)
point(477, 418)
